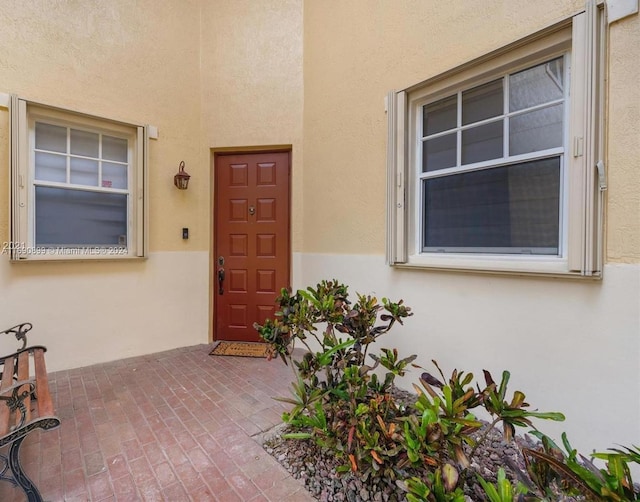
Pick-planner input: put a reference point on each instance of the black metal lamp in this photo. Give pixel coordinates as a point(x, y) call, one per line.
point(181, 180)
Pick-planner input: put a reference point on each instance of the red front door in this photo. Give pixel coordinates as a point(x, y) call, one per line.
point(252, 251)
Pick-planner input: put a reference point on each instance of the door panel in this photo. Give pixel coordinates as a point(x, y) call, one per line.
point(252, 249)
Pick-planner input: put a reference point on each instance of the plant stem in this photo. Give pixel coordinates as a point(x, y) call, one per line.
point(305, 344)
point(484, 436)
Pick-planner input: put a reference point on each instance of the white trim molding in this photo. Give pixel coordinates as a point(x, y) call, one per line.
point(619, 9)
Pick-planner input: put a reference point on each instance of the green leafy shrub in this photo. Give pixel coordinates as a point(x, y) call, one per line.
point(444, 426)
point(579, 475)
point(439, 486)
point(502, 491)
point(340, 402)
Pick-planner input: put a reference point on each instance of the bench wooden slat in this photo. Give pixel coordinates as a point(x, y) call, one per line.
point(45, 403)
point(23, 374)
point(7, 381)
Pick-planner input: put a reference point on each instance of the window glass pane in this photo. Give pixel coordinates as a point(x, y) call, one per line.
point(114, 148)
point(51, 137)
point(482, 102)
point(84, 143)
point(439, 116)
point(482, 143)
point(439, 153)
point(51, 167)
point(84, 172)
point(78, 218)
point(535, 131)
point(537, 85)
point(114, 175)
point(510, 209)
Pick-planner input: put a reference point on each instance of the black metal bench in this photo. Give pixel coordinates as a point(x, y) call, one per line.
point(25, 405)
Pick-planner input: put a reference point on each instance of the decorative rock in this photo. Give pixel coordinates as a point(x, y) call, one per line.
point(315, 467)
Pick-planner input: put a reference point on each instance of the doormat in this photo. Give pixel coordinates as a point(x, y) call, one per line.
point(241, 349)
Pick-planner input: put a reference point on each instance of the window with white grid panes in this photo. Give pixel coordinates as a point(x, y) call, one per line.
point(491, 165)
point(496, 165)
point(78, 185)
point(81, 183)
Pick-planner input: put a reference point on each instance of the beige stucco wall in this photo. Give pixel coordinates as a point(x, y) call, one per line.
point(568, 344)
point(355, 52)
point(208, 74)
point(132, 61)
point(135, 62)
point(623, 132)
point(252, 82)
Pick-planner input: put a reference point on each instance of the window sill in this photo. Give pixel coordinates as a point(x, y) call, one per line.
point(500, 265)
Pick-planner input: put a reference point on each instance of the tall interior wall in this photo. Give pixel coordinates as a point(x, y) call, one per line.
point(571, 346)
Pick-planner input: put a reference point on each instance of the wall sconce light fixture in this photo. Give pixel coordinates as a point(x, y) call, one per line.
point(181, 180)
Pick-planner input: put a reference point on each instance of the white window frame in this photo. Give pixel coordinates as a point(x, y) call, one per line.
point(22, 246)
point(421, 98)
point(580, 40)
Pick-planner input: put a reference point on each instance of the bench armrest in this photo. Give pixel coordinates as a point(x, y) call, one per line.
point(19, 331)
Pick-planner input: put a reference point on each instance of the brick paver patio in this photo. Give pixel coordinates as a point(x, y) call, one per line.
point(172, 426)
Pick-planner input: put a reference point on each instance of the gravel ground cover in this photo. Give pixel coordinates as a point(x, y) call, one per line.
point(315, 466)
